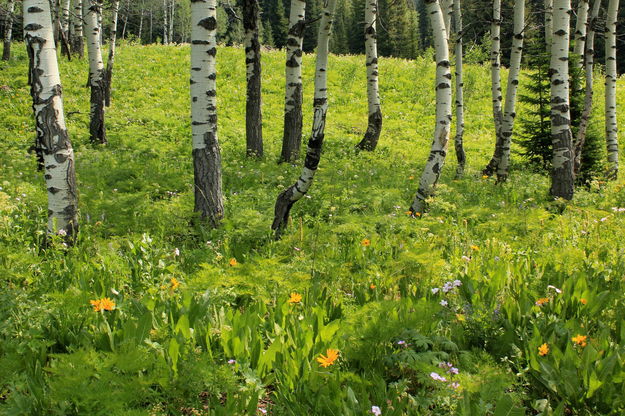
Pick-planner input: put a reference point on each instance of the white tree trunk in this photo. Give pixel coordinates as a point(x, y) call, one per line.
point(589, 61)
point(65, 16)
point(78, 43)
point(495, 91)
point(91, 10)
point(171, 21)
point(611, 127)
point(562, 179)
point(295, 192)
point(374, 125)
point(206, 154)
point(292, 135)
point(165, 25)
point(438, 151)
point(52, 144)
point(111, 60)
point(447, 8)
point(458, 139)
point(8, 31)
point(509, 114)
point(548, 23)
point(581, 26)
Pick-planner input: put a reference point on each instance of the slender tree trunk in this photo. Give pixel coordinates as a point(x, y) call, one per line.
point(562, 179)
point(611, 127)
point(292, 136)
point(496, 93)
point(8, 31)
point(141, 22)
point(151, 21)
point(253, 112)
point(171, 21)
point(374, 125)
point(507, 125)
point(458, 139)
point(589, 61)
point(165, 25)
point(581, 26)
point(438, 151)
point(447, 8)
point(65, 27)
point(206, 155)
point(548, 23)
point(111, 61)
point(97, 81)
point(52, 143)
point(56, 20)
point(295, 192)
point(78, 43)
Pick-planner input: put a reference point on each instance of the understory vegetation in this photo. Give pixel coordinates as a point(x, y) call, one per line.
point(498, 301)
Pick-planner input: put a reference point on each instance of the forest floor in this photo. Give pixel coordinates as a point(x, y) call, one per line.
point(498, 301)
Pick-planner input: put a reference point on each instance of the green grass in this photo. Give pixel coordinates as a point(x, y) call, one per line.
point(167, 351)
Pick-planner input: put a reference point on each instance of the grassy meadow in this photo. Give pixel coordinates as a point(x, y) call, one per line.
point(499, 301)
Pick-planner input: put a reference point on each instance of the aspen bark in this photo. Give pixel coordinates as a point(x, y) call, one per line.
point(77, 42)
point(165, 25)
point(52, 143)
point(611, 127)
point(548, 23)
point(447, 8)
point(111, 60)
point(458, 139)
point(97, 81)
point(295, 192)
point(171, 21)
point(292, 135)
point(253, 105)
point(581, 26)
point(8, 31)
point(374, 125)
point(496, 92)
point(438, 151)
point(206, 154)
point(509, 114)
point(562, 178)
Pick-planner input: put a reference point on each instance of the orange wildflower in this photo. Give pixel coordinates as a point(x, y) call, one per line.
point(104, 304)
point(174, 283)
point(543, 350)
point(542, 301)
point(365, 242)
point(233, 262)
point(580, 340)
point(295, 298)
point(372, 286)
point(583, 301)
point(328, 359)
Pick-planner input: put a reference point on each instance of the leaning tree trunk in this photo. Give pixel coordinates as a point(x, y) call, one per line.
point(52, 143)
point(97, 81)
point(292, 136)
point(611, 127)
point(374, 125)
point(8, 31)
point(562, 178)
point(438, 151)
point(206, 154)
point(295, 192)
point(548, 23)
point(458, 139)
point(253, 112)
point(495, 77)
point(589, 61)
point(77, 42)
point(509, 114)
point(111, 60)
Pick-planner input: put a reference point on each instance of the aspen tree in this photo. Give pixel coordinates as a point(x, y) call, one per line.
point(111, 59)
point(562, 178)
point(77, 41)
point(97, 81)
point(374, 125)
point(165, 25)
point(458, 138)
point(52, 144)
point(611, 127)
point(295, 192)
point(581, 26)
point(495, 77)
point(548, 4)
point(253, 104)
point(206, 153)
point(438, 151)
point(292, 135)
point(8, 31)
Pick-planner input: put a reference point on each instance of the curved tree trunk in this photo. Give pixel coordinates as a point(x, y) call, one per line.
point(292, 136)
point(253, 112)
point(52, 143)
point(548, 23)
point(458, 139)
point(589, 61)
point(436, 160)
point(77, 42)
point(562, 179)
point(611, 127)
point(509, 114)
point(374, 125)
point(206, 154)
point(97, 82)
point(8, 31)
point(295, 192)
point(111, 60)
point(495, 77)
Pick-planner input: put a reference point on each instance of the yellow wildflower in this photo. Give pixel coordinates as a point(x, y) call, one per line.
point(475, 248)
point(543, 350)
point(365, 242)
point(484, 176)
point(295, 298)
point(174, 283)
point(233, 262)
point(328, 359)
point(580, 340)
